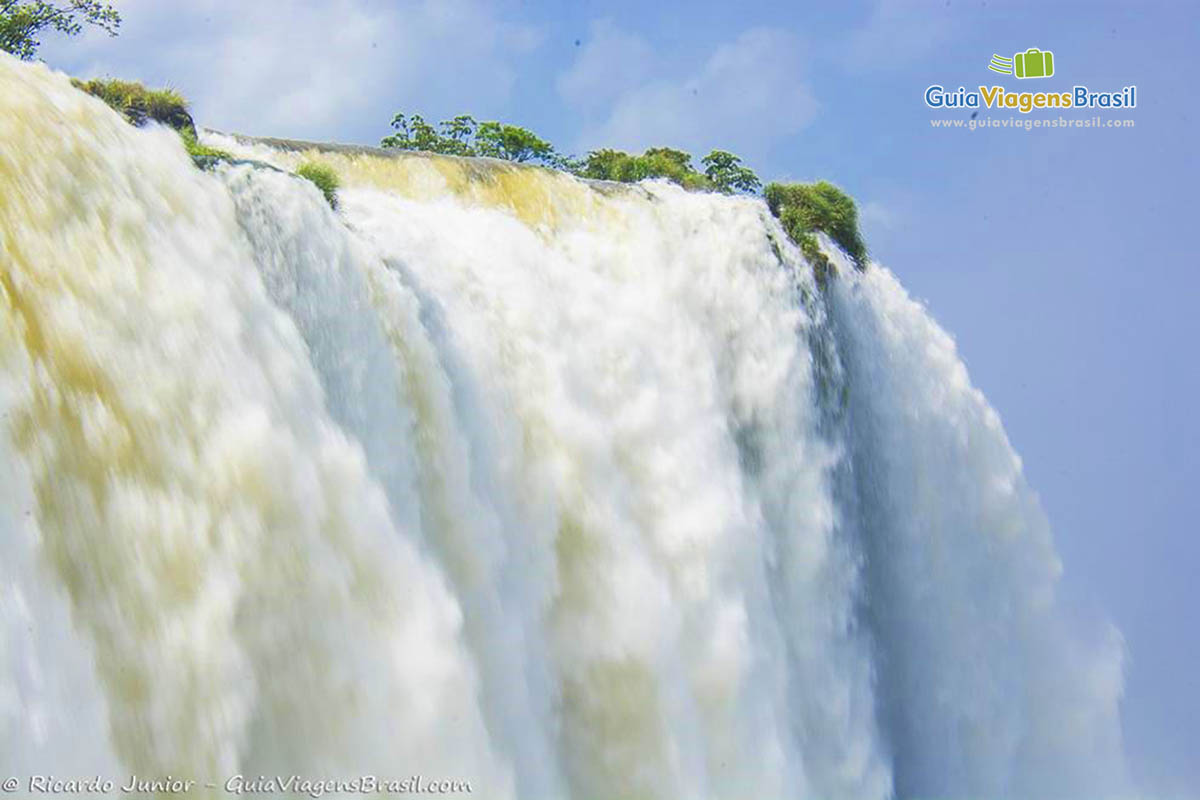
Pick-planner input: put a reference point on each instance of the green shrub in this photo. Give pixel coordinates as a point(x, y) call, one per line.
point(657, 162)
point(139, 104)
point(805, 209)
point(323, 177)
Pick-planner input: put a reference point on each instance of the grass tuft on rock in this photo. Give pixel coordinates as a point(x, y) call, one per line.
point(324, 178)
point(139, 104)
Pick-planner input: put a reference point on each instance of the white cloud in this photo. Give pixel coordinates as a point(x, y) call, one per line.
point(875, 215)
point(611, 63)
point(744, 97)
point(897, 32)
point(336, 69)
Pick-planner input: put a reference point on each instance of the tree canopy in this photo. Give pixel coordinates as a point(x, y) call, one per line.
point(463, 136)
point(727, 174)
point(22, 22)
point(657, 162)
point(723, 172)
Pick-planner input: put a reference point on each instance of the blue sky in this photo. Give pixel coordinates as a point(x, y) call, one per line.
point(1056, 257)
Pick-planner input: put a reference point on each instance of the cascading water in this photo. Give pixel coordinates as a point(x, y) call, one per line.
point(566, 490)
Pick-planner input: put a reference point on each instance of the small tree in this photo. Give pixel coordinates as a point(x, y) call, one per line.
point(463, 136)
point(21, 22)
point(727, 173)
point(674, 165)
point(413, 133)
point(512, 143)
point(458, 136)
point(566, 163)
point(607, 165)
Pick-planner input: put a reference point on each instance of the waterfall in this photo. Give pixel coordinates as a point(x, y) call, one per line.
point(564, 489)
point(983, 686)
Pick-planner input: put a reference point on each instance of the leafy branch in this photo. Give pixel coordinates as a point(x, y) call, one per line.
point(22, 22)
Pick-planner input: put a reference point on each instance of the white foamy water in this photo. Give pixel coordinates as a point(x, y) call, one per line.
point(569, 490)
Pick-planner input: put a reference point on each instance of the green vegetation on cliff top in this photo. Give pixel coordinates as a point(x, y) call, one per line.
point(657, 162)
point(464, 136)
point(804, 210)
point(139, 104)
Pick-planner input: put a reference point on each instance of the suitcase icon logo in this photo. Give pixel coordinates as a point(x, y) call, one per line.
point(1033, 63)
